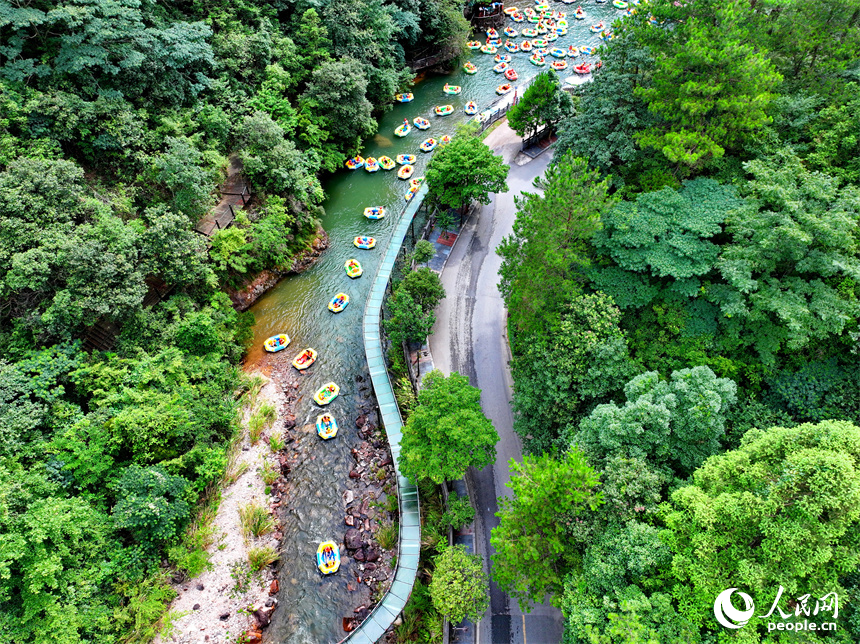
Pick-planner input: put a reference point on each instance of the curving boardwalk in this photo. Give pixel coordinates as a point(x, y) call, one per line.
point(383, 616)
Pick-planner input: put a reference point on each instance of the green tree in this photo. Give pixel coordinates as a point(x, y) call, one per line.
point(408, 321)
point(273, 162)
point(338, 91)
point(806, 44)
point(663, 242)
point(679, 422)
point(748, 517)
point(531, 540)
point(447, 433)
point(711, 84)
point(564, 369)
point(610, 114)
point(459, 587)
point(425, 287)
point(791, 266)
point(466, 170)
point(543, 104)
point(543, 259)
point(150, 504)
point(180, 169)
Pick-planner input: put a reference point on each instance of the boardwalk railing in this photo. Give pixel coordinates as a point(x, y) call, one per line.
point(392, 604)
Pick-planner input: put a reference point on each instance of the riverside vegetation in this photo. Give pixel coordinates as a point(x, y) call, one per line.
point(684, 294)
point(116, 124)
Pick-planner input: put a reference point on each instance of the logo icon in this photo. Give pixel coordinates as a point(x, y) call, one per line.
point(729, 616)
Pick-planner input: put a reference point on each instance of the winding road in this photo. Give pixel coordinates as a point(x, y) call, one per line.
point(469, 337)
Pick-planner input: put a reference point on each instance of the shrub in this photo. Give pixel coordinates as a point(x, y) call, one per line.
point(151, 504)
point(259, 558)
point(460, 512)
point(256, 520)
point(387, 534)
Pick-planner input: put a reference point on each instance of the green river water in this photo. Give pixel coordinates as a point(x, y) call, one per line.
point(311, 607)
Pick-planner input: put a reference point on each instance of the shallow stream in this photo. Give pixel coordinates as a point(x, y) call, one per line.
point(311, 607)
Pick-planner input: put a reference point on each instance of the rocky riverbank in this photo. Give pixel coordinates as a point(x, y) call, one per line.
point(368, 493)
point(254, 287)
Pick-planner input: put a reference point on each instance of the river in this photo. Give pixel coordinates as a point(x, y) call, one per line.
point(311, 607)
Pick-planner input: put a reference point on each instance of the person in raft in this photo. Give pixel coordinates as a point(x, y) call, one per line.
point(328, 555)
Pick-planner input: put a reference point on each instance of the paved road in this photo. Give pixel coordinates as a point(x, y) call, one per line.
point(469, 337)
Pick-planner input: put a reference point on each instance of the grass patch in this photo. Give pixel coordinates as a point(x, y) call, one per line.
point(387, 534)
point(255, 520)
point(259, 558)
point(235, 472)
point(260, 420)
point(270, 473)
point(276, 443)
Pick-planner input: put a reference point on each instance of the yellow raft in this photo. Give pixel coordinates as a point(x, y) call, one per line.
point(277, 343)
point(305, 359)
point(326, 393)
point(338, 303)
point(353, 268)
point(328, 557)
point(326, 426)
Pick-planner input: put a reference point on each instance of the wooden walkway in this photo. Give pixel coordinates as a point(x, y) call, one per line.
point(235, 195)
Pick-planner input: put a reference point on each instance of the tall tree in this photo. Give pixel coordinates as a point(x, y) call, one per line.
point(678, 422)
point(610, 114)
point(711, 84)
point(793, 246)
point(466, 170)
point(543, 260)
point(531, 540)
point(447, 433)
point(543, 104)
point(459, 586)
point(748, 517)
point(561, 371)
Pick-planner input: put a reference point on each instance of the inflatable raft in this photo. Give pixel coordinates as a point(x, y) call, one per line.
point(404, 98)
point(471, 108)
point(405, 171)
point(406, 159)
point(355, 163)
point(559, 65)
point(501, 68)
point(326, 426)
point(526, 45)
point(429, 145)
point(445, 140)
point(374, 212)
point(473, 44)
point(386, 163)
point(452, 89)
point(503, 89)
point(328, 557)
point(511, 47)
point(305, 359)
point(596, 29)
point(421, 123)
point(403, 129)
point(338, 303)
point(364, 242)
point(277, 343)
point(470, 68)
point(511, 74)
point(510, 32)
point(352, 268)
point(488, 49)
point(443, 110)
point(371, 164)
point(558, 52)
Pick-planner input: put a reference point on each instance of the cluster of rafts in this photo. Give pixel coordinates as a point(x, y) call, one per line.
point(546, 27)
point(328, 553)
